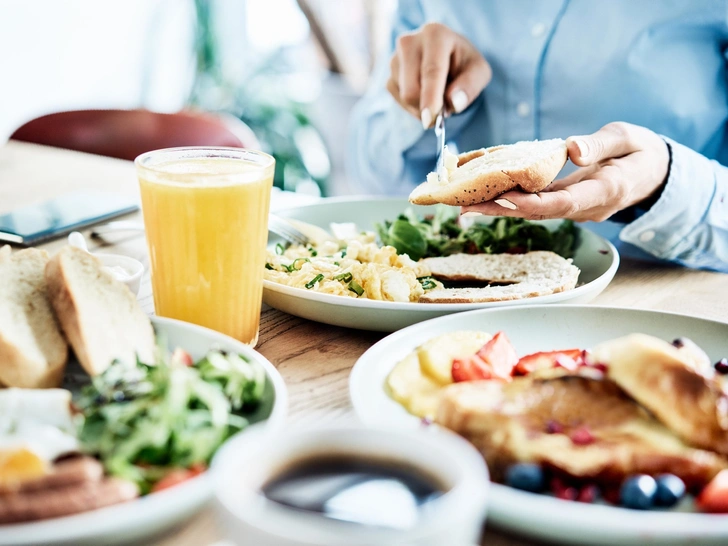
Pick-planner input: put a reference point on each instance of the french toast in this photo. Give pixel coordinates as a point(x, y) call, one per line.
point(580, 426)
point(674, 383)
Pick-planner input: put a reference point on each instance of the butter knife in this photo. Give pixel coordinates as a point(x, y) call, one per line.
point(440, 134)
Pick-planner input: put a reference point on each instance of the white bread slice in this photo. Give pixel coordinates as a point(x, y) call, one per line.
point(536, 273)
point(33, 352)
point(99, 315)
point(482, 175)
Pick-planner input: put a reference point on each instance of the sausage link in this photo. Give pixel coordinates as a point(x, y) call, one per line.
point(64, 501)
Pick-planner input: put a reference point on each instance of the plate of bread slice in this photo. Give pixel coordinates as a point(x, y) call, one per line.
point(109, 418)
point(599, 425)
point(382, 263)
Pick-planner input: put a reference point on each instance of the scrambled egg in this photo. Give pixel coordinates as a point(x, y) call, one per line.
point(355, 267)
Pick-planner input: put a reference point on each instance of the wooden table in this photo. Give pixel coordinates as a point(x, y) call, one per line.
point(314, 359)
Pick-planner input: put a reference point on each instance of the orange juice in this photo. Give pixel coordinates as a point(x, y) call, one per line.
point(206, 217)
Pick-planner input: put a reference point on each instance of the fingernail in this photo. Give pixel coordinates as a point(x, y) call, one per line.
point(506, 204)
point(459, 100)
point(471, 214)
point(582, 146)
point(426, 118)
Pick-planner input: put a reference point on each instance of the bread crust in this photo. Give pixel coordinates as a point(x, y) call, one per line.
point(63, 303)
point(472, 188)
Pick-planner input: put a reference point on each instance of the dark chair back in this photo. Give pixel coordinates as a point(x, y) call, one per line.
point(125, 134)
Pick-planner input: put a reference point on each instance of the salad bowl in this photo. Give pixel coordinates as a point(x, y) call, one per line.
point(131, 521)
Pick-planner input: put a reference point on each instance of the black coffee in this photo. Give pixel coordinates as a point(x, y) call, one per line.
point(380, 493)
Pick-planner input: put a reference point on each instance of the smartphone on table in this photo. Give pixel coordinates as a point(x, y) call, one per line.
point(59, 216)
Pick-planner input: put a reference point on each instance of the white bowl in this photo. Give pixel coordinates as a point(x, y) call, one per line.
point(131, 522)
point(133, 269)
point(246, 462)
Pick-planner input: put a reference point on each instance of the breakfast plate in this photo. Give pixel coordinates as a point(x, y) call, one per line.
point(131, 521)
point(595, 256)
point(543, 328)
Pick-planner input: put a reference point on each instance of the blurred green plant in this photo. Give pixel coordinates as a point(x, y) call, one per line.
point(279, 122)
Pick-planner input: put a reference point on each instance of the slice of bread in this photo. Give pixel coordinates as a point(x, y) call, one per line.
point(482, 175)
point(33, 352)
point(536, 273)
point(99, 315)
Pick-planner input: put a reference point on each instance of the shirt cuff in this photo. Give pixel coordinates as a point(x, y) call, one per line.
point(680, 208)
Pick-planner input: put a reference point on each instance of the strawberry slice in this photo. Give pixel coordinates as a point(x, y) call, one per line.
point(471, 368)
point(177, 476)
point(714, 497)
point(567, 358)
point(500, 355)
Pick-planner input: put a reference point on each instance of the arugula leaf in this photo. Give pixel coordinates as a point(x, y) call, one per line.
point(407, 239)
point(441, 235)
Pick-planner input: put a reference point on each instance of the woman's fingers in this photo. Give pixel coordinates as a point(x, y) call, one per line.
point(425, 61)
point(594, 199)
point(577, 176)
point(434, 69)
point(409, 55)
point(611, 141)
point(468, 82)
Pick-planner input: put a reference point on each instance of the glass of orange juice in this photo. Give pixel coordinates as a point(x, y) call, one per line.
point(206, 219)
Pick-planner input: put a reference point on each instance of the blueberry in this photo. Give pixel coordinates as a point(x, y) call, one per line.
point(526, 476)
point(670, 489)
point(638, 492)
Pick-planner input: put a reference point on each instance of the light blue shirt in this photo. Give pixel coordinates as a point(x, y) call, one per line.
point(568, 67)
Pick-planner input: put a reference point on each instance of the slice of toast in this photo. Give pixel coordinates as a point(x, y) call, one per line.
point(517, 276)
point(482, 175)
point(33, 352)
point(98, 314)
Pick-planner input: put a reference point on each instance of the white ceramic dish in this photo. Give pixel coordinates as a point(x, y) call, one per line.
point(541, 328)
point(249, 518)
point(131, 522)
point(595, 256)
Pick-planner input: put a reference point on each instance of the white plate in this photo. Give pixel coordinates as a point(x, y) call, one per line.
point(543, 328)
point(132, 521)
point(595, 256)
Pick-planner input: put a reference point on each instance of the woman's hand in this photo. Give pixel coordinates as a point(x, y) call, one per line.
point(622, 164)
point(433, 64)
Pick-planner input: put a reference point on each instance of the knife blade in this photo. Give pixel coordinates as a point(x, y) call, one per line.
point(440, 134)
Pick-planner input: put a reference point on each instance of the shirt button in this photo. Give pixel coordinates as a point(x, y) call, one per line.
point(523, 109)
point(647, 236)
point(538, 29)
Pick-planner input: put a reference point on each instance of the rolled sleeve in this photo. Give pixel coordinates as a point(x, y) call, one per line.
point(689, 222)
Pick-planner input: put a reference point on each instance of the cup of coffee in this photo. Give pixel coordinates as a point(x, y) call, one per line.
point(350, 485)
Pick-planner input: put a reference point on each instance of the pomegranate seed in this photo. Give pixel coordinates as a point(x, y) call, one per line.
point(554, 427)
point(581, 436)
point(721, 366)
point(568, 493)
point(588, 493)
point(600, 366)
point(611, 495)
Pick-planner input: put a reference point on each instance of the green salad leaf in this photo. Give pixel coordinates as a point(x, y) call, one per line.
point(143, 420)
point(440, 234)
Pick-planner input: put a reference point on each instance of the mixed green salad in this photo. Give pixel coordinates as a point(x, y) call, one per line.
point(441, 234)
point(158, 424)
